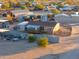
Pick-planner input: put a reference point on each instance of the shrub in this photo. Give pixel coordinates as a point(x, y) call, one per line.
point(28, 4)
point(6, 6)
point(32, 39)
point(43, 42)
point(39, 6)
point(55, 11)
point(23, 7)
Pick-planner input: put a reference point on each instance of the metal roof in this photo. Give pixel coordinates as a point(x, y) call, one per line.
point(47, 23)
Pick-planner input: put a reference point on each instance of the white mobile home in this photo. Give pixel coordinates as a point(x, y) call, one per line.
point(2, 33)
point(4, 24)
point(48, 27)
point(67, 19)
point(21, 26)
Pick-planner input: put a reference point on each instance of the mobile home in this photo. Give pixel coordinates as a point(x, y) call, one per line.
point(4, 24)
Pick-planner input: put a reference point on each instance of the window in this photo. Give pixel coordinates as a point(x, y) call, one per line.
point(33, 27)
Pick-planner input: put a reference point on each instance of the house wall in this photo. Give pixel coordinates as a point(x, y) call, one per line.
point(4, 25)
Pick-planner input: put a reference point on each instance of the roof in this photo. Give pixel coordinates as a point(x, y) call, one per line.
point(47, 23)
point(23, 23)
point(4, 30)
point(22, 12)
point(19, 11)
point(42, 12)
point(61, 15)
point(1, 21)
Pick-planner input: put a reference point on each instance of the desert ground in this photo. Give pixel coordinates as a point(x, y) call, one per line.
point(67, 48)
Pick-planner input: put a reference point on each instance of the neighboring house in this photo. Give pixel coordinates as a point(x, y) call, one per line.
point(42, 27)
point(76, 8)
point(38, 15)
point(2, 31)
point(66, 8)
point(20, 15)
point(21, 18)
point(4, 24)
point(21, 26)
point(61, 15)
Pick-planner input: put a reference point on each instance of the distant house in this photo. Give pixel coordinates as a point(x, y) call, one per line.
point(61, 15)
point(76, 8)
point(4, 24)
point(21, 14)
point(42, 27)
point(20, 18)
point(66, 8)
point(2, 31)
point(21, 26)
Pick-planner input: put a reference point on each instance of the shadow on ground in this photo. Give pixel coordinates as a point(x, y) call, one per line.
point(72, 54)
point(49, 56)
point(10, 48)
